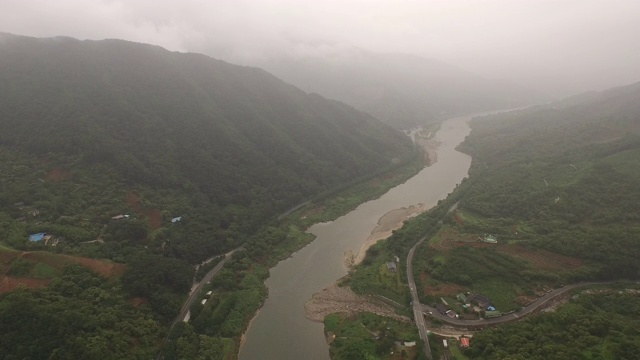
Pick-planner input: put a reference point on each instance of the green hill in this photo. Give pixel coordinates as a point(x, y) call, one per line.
point(90, 124)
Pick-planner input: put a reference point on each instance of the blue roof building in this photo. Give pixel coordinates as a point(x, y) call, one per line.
point(36, 237)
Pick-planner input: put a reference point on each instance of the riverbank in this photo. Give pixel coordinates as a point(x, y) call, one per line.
point(337, 299)
point(393, 220)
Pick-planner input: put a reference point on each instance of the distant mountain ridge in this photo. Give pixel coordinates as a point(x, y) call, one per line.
point(402, 90)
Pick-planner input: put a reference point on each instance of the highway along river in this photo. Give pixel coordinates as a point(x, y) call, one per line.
point(281, 331)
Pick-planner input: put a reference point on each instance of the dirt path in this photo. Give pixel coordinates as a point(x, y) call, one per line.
point(336, 299)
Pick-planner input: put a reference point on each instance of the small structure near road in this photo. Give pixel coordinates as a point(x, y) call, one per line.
point(464, 342)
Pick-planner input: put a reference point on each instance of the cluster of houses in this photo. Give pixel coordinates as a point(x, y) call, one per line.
point(474, 302)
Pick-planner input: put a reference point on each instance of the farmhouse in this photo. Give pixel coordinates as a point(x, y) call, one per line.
point(391, 266)
point(482, 301)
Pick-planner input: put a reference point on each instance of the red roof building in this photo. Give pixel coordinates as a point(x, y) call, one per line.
point(464, 342)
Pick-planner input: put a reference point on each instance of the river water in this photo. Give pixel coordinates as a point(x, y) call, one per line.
point(281, 331)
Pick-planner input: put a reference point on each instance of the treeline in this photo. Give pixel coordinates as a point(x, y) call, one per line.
point(78, 316)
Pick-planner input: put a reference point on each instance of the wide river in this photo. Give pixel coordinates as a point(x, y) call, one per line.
point(281, 331)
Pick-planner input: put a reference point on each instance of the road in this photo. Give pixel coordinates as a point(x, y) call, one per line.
point(193, 295)
point(512, 316)
point(417, 307)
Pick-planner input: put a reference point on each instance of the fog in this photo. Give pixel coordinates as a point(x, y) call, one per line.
point(559, 46)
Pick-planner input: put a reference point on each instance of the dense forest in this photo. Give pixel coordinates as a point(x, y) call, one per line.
point(158, 160)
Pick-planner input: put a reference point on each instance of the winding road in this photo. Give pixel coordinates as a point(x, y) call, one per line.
point(195, 291)
point(538, 303)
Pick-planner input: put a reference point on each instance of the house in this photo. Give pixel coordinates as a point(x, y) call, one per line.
point(204, 301)
point(491, 308)
point(391, 266)
point(482, 301)
point(176, 219)
point(118, 217)
point(409, 343)
point(452, 314)
point(444, 342)
point(464, 342)
point(441, 309)
point(209, 293)
point(36, 237)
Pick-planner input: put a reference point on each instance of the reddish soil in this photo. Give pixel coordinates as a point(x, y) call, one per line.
point(440, 289)
point(57, 174)
point(104, 268)
point(153, 215)
point(8, 283)
point(450, 238)
point(541, 259)
point(137, 301)
point(457, 218)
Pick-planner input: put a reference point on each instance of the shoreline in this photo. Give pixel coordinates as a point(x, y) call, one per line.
point(336, 299)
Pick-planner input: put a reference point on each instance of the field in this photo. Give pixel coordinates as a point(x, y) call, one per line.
point(35, 269)
point(541, 259)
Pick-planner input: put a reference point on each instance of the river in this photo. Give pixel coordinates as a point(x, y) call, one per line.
point(281, 331)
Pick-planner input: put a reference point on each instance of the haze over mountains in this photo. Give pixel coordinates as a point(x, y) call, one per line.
point(402, 90)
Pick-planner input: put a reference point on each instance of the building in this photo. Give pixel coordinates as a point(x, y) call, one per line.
point(441, 309)
point(391, 266)
point(464, 342)
point(492, 314)
point(176, 219)
point(481, 300)
point(462, 298)
point(36, 237)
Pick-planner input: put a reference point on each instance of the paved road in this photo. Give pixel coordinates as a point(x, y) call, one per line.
point(512, 316)
point(417, 307)
point(193, 295)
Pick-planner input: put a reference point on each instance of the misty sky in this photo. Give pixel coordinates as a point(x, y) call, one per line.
point(560, 45)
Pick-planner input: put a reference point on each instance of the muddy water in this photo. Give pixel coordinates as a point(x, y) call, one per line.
point(280, 331)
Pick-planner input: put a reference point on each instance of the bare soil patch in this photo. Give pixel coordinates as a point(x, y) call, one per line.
point(441, 289)
point(104, 268)
point(8, 283)
point(541, 259)
point(153, 215)
point(450, 238)
point(58, 174)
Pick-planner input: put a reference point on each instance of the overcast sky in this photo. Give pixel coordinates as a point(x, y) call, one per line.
point(570, 45)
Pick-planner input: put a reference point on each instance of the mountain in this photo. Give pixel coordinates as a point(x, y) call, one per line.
point(402, 90)
point(171, 132)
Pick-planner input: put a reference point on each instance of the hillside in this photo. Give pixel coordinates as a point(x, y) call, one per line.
point(556, 186)
point(92, 129)
point(402, 90)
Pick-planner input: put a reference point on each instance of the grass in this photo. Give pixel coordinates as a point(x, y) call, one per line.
point(456, 352)
point(502, 294)
point(44, 271)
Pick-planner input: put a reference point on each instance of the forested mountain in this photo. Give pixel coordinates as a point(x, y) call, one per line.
point(402, 90)
point(232, 142)
point(567, 175)
point(155, 160)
